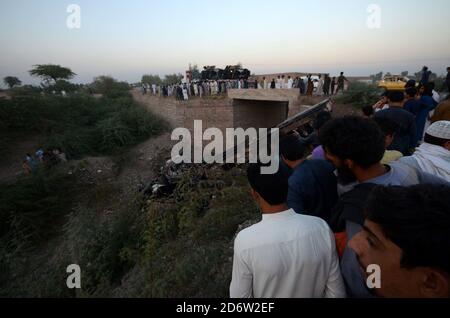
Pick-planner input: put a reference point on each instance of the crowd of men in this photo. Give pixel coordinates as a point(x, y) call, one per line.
point(184, 91)
point(359, 209)
point(322, 85)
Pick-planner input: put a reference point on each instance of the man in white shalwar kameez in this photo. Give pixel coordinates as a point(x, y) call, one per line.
point(433, 156)
point(290, 83)
point(320, 86)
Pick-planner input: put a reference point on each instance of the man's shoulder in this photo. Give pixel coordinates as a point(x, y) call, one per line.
point(409, 161)
point(404, 175)
point(309, 168)
point(397, 113)
point(318, 164)
point(259, 234)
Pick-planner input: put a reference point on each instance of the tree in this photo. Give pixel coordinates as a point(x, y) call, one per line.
point(62, 85)
point(151, 79)
point(196, 75)
point(50, 72)
point(110, 87)
point(405, 73)
point(12, 81)
point(173, 79)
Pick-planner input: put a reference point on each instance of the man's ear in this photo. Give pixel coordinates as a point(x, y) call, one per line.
point(434, 284)
point(255, 195)
point(349, 163)
point(287, 162)
point(447, 145)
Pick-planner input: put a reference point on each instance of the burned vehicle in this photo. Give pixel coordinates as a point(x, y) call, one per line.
point(231, 72)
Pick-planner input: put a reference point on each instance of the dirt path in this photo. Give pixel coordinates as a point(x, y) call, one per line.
point(139, 165)
point(165, 107)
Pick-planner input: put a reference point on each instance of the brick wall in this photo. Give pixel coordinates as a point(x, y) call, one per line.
point(243, 108)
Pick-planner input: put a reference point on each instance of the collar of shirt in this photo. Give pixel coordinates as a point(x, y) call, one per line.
point(284, 214)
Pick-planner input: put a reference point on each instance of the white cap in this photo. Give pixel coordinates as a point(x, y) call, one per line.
point(440, 129)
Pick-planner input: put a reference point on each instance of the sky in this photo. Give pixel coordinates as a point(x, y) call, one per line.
point(126, 39)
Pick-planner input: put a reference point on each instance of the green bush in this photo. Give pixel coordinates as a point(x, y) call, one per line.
point(31, 208)
point(106, 248)
point(360, 95)
point(189, 239)
point(81, 125)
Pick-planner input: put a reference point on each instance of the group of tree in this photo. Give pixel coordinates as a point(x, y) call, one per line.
point(169, 79)
point(55, 79)
point(12, 81)
point(416, 76)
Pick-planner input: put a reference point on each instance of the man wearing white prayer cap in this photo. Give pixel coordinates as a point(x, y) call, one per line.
point(433, 156)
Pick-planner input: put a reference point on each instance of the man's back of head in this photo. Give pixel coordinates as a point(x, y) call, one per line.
point(396, 98)
point(268, 189)
point(293, 149)
point(411, 92)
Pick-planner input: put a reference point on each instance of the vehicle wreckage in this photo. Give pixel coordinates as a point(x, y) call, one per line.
point(171, 173)
point(231, 72)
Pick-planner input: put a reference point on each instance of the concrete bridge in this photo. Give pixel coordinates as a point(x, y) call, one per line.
point(238, 109)
point(263, 108)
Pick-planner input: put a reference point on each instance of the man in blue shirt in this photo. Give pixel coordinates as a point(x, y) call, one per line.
point(313, 184)
point(412, 105)
point(405, 136)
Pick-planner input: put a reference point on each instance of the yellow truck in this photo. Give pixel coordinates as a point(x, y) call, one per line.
point(393, 83)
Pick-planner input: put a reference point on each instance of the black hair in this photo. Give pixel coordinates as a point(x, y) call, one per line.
point(387, 126)
point(435, 140)
point(428, 89)
point(273, 188)
point(368, 110)
point(417, 220)
point(396, 96)
point(292, 147)
point(410, 84)
point(354, 138)
point(411, 91)
point(321, 119)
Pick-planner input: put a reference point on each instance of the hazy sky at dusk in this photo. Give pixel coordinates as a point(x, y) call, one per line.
point(126, 39)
